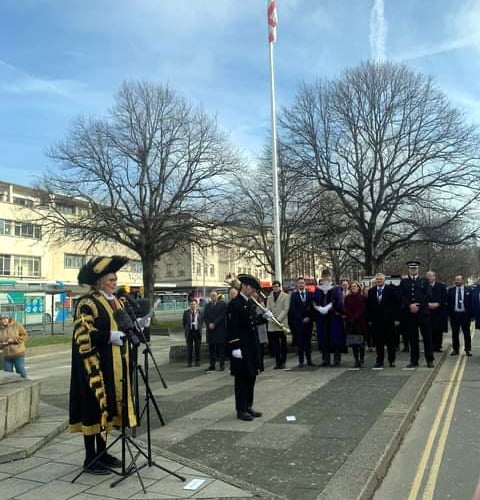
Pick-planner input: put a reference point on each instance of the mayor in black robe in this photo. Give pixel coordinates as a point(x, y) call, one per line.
point(96, 373)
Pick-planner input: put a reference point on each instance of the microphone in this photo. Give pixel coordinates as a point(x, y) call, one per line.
point(125, 324)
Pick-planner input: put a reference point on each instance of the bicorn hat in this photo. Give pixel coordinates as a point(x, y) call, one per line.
point(97, 267)
point(248, 279)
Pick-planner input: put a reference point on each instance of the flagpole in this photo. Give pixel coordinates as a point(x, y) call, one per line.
point(276, 206)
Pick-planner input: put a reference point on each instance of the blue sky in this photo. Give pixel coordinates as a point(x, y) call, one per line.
point(60, 59)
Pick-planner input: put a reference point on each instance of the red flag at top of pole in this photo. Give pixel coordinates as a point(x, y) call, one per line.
point(272, 21)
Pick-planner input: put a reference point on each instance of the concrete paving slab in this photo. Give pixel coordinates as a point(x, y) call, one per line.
point(127, 488)
point(46, 472)
point(13, 486)
point(274, 436)
point(20, 466)
point(55, 490)
point(218, 489)
point(57, 450)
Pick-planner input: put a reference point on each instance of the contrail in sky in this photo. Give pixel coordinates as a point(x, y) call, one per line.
point(378, 31)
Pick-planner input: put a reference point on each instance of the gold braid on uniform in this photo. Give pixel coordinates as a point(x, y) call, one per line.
point(82, 328)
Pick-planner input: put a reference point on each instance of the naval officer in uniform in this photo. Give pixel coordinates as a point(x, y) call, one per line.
point(244, 346)
point(416, 294)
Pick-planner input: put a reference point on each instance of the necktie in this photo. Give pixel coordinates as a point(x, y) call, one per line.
point(459, 299)
point(302, 294)
point(379, 294)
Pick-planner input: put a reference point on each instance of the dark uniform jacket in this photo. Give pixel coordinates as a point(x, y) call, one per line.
point(439, 316)
point(242, 334)
point(415, 291)
point(215, 313)
point(95, 386)
point(382, 314)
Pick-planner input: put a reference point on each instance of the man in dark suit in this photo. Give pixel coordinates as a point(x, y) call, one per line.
point(382, 311)
point(460, 312)
point(215, 318)
point(300, 320)
point(242, 341)
point(192, 325)
point(438, 311)
point(415, 295)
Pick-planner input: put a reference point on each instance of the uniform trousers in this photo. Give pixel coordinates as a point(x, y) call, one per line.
point(244, 391)
point(460, 320)
point(216, 352)
point(414, 322)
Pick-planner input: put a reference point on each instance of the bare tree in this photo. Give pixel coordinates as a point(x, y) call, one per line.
point(386, 142)
point(254, 212)
point(148, 173)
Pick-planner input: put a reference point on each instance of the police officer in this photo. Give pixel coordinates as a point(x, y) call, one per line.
point(416, 294)
point(244, 347)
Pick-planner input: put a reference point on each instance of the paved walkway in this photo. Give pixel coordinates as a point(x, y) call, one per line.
point(325, 433)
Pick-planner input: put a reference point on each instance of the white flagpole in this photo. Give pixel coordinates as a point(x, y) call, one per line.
point(276, 206)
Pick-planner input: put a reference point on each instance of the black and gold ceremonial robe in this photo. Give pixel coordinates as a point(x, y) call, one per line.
point(96, 376)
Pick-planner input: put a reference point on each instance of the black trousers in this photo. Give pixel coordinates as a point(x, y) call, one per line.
point(279, 348)
point(414, 322)
point(385, 337)
point(194, 339)
point(89, 443)
point(437, 340)
point(244, 392)
point(304, 343)
point(216, 352)
point(460, 320)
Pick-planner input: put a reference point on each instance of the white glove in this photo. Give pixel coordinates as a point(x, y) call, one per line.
point(237, 353)
point(268, 315)
point(116, 337)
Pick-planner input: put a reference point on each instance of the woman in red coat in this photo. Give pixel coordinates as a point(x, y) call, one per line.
point(355, 309)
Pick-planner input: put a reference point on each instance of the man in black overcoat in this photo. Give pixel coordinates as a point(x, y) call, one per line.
point(215, 318)
point(438, 311)
point(415, 295)
point(459, 300)
point(382, 312)
point(244, 347)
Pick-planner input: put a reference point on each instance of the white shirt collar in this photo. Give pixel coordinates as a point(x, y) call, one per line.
point(107, 296)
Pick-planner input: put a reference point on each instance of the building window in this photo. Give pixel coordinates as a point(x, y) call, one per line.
point(5, 265)
point(28, 230)
point(26, 266)
point(212, 270)
point(199, 268)
point(73, 261)
point(169, 272)
point(24, 202)
point(65, 209)
point(5, 226)
point(181, 273)
point(135, 266)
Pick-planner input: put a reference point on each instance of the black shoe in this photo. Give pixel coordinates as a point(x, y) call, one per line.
point(378, 365)
point(357, 364)
point(468, 353)
point(97, 469)
point(108, 460)
point(222, 367)
point(210, 369)
point(244, 415)
point(431, 364)
point(300, 365)
point(311, 363)
point(197, 363)
point(325, 363)
point(392, 364)
point(277, 367)
point(412, 365)
point(454, 353)
point(253, 413)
